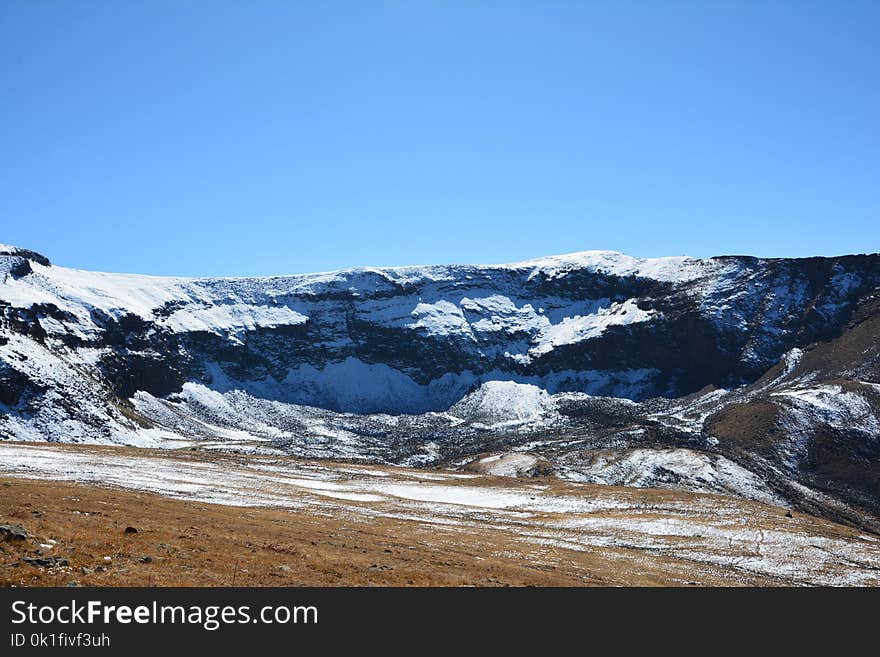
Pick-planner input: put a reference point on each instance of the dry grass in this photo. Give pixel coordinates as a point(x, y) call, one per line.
point(192, 544)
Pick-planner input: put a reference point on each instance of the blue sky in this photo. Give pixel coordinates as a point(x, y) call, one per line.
point(247, 138)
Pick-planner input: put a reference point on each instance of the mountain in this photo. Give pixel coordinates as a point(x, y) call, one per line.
point(752, 376)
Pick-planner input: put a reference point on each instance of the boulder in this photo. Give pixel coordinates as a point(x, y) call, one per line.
point(10, 533)
point(46, 562)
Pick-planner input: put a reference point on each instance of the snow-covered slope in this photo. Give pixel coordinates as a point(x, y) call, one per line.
point(416, 339)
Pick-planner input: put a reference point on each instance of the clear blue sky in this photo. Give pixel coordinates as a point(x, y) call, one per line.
point(243, 138)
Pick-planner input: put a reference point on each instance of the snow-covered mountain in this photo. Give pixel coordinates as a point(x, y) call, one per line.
point(736, 374)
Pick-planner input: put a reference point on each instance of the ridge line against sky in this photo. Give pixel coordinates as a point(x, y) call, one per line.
point(531, 261)
point(231, 139)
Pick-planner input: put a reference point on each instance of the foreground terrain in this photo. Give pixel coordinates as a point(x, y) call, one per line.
point(206, 518)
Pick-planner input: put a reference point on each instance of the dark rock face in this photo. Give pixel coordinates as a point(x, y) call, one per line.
point(19, 267)
point(127, 372)
point(33, 255)
point(14, 385)
point(17, 254)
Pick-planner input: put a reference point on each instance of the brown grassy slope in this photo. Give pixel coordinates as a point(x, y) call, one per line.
point(194, 544)
point(855, 353)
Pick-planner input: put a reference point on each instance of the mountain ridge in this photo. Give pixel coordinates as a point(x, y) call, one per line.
point(572, 257)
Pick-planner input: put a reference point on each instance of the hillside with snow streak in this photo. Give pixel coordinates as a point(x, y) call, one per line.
point(595, 364)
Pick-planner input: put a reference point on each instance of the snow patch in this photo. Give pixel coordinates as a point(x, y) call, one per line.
point(499, 404)
point(572, 330)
